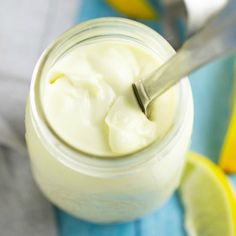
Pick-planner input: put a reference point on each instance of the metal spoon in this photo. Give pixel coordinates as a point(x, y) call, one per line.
point(215, 40)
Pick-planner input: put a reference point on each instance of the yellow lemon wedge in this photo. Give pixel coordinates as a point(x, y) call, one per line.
point(141, 9)
point(228, 153)
point(208, 199)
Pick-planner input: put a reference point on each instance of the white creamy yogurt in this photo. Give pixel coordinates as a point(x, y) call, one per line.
point(89, 102)
point(87, 99)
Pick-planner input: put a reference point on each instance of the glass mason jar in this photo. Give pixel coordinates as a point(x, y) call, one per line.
point(101, 189)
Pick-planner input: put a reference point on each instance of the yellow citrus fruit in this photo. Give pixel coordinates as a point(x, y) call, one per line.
point(228, 153)
point(208, 199)
point(141, 9)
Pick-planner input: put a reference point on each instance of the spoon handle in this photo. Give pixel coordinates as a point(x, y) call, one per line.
point(216, 39)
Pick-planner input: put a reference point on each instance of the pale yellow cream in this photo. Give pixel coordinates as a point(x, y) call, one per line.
point(88, 99)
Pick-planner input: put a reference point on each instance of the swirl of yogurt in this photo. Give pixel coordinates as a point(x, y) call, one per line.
point(88, 99)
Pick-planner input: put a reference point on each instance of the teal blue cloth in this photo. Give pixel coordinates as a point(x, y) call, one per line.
point(211, 87)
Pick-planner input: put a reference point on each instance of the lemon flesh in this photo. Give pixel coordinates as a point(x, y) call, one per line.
point(208, 199)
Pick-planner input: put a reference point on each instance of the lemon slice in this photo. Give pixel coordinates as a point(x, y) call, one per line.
point(208, 199)
point(135, 8)
point(228, 153)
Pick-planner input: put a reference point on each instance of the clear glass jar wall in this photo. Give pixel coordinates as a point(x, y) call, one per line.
point(95, 188)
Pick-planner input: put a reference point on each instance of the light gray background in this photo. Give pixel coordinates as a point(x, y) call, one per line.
point(26, 28)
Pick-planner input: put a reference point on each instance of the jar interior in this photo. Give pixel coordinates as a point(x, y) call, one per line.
point(90, 33)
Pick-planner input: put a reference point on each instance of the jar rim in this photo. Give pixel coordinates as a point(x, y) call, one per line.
point(75, 158)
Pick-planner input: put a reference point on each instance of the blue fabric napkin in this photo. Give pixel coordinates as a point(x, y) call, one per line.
point(211, 87)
